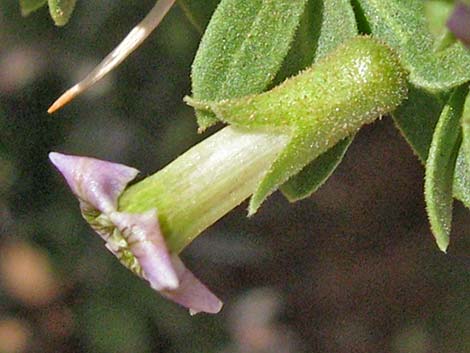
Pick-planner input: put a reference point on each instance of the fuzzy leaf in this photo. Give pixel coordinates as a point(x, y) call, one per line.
point(61, 10)
point(309, 179)
point(462, 168)
point(466, 132)
point(440, 167)
point(242, 49)
point(461, 187)
point(335, 12)
point(304, 45)
point(28, 6)
point(198, 12)
point(402, 25)
point(417, 117)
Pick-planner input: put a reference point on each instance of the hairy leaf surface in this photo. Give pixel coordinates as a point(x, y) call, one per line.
point(242, 49)
point(417, 117)
point(440, 167)
point(461, 187)
point(402, 25)
point(309, 179)
point(466, 132)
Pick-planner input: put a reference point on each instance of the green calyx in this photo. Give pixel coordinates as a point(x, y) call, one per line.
point(355, 84)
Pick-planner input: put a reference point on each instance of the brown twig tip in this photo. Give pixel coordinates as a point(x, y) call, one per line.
point(63, 99)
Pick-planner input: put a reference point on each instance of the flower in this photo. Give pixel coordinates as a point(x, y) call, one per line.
point(134, 238)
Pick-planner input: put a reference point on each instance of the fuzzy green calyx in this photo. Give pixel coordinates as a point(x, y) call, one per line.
point(357, 83)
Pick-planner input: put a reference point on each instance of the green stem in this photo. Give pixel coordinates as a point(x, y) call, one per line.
point(205, 183)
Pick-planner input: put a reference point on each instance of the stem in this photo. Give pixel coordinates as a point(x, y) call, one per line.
point(205, 183)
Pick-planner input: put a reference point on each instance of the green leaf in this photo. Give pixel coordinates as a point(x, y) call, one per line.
point(417, 117)
point(304, 45)
point(402, 25)
point(309, 179)
point(462, 168)
point(466, 132)
point(440, 167)
point(335, 12)
point(242, 49)
point(198, 12)
point(461, 187)
point(353, 85)
point(61, 10)
point(28, 6)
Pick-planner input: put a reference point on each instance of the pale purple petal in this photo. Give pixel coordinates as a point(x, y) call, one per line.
point(192, 293)
point(146, 242)
point(459, 23)
point(96, 183)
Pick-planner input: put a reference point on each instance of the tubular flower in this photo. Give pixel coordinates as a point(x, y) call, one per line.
point(275, 135)
point(134, 238)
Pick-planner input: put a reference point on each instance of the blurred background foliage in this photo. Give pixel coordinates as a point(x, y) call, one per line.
point(352, 269)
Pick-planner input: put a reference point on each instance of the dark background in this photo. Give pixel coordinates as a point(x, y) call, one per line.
point(354, 268)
